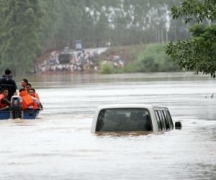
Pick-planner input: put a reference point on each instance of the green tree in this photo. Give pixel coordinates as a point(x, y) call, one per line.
point(123, 22)
point(199, 52)
point(20, 24)
point(49, 27)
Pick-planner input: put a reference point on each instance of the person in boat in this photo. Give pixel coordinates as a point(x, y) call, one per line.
point(28, 102)
point(28, 87)
point(4, 103)
point(24, 83)
point(38, 104)
point(8, 82)
point(33, 92)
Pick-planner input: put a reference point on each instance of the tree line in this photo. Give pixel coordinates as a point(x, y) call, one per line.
point(30, 28)
point(97, 22)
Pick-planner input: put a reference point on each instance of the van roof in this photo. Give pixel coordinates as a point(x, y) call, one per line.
point(130, 106)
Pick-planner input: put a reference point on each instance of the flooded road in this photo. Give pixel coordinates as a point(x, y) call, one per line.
point(59, 145)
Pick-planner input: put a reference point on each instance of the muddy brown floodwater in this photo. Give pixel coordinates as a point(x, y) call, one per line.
point(59, 145)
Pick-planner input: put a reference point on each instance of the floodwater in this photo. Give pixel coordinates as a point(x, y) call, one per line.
point(59, 144)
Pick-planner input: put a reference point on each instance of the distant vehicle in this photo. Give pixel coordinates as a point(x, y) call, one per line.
point(65, 56)
point(78, 45)
point(132, 117)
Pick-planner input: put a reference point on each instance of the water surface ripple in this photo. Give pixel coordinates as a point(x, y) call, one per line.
point(59, 145)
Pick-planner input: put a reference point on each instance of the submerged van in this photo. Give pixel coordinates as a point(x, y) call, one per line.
point(132, 117)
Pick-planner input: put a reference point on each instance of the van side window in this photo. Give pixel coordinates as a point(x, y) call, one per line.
point(167, 123)
point(159, 122)
point(169, 118)
point(162, 119)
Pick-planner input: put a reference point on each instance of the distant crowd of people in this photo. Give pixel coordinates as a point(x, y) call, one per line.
point(29, 98)
point(115, 61)
point(79, 61)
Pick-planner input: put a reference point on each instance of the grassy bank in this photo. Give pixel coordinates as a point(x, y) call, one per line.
point(142, 58)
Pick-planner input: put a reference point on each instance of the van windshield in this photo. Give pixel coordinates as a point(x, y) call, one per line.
point(124, 119)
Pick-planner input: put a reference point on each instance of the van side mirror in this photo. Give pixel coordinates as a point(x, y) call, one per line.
point(178, 125)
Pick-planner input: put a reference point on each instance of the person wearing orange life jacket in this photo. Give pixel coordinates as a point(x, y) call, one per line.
point(27, 99)
point(37, 103)
point(29, 87)
point(4, 103)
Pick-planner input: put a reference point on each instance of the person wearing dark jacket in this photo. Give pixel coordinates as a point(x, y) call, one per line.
point(7, 82)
